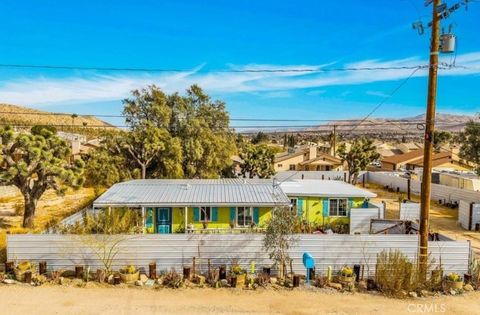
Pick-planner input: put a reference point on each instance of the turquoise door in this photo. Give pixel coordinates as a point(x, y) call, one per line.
point(164, 220)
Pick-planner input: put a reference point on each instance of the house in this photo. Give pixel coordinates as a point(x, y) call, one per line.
point(229, 205)
point(399, 161)
point(442, 161)
point(214, 204)
point(409, 147)
point(307, 159)
point(323, 202)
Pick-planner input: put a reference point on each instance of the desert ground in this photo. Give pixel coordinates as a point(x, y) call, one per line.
point(118, 301)
point(442, 219)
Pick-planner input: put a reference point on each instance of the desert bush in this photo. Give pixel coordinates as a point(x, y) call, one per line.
point(396, 273)
point(117, 221)
point(172, 279)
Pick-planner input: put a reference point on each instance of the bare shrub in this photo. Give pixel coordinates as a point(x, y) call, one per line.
point(172, 279)
point(396, 273)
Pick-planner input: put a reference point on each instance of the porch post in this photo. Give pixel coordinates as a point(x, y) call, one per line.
point(143, 221)
point(186, 219)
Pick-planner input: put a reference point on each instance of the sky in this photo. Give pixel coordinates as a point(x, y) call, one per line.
point(204, 38)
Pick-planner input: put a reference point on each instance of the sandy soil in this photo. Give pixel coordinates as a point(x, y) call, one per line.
point(442, 219)
point(69, 300)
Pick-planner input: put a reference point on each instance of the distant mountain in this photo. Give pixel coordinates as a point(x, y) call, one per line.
point(446, 122)
point(25, 117)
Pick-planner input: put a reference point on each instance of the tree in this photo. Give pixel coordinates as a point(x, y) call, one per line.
point(35, 162)
point(470, 144)
point(174, 135)
point(362, 152)
point(279, 237)
point(440, 138)
point(258, 161)
point(261, 137)
point(203, 127)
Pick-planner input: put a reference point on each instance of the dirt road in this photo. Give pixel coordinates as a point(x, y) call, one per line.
point(119, 301)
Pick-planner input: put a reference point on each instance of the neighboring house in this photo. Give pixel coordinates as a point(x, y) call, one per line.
point(408, 147)
point(215, 204)
point(307, 159)
point(414, 160)
point(237, 163)
point(322, 202)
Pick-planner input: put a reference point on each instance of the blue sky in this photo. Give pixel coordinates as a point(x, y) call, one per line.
point(202, 36)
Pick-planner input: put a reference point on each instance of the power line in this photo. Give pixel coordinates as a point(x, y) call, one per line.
point(386, 98)
point(265, 70)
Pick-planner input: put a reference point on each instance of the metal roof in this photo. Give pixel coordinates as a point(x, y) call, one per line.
point(193, 192)
point(323, 188)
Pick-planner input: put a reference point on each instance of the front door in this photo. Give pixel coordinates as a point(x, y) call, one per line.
point(164, 220)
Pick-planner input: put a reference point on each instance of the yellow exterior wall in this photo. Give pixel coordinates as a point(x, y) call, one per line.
point(285, 164)
point(223, 219)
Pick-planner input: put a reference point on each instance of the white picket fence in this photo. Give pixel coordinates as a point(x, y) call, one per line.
point(439, 192)
point(177, 250)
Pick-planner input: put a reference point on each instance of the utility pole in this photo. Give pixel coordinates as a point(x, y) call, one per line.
point(428, 142)
point(334, 140)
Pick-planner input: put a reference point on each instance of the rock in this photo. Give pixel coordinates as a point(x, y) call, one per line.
point(149, 282)
point(224, 283)
point(9, 281)
point(468, 287)
point(403, 293)
point(62, 281)
point(68, 273)
point(77, 282)
point(362, 285)
point(139, 283)
point(412, 294)
point(143, 278)
point(110, 279)
point(452, 292)
point(273, 280)
point(426, 293)
point(335, 285)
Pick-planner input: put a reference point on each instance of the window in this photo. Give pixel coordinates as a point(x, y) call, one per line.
point(338, 207)
point(279, 165)
point(293, 205)
point(205, 214)
point(244, 216)
point(291, 167)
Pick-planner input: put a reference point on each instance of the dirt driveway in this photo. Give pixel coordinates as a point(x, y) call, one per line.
point(119, 301)
point(442, 219)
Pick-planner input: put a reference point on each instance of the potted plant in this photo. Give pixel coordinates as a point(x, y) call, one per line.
point(129, 274)
point(346, 275)
point(21, 269)
point(454, 281)
point(240, 274)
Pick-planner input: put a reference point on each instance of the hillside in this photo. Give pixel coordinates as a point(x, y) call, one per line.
point(25, 117)
point(447, 122)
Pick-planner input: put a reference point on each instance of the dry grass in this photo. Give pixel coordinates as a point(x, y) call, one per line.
point(51, 208)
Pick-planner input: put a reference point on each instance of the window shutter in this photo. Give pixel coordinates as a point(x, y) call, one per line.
point(350, 206)
point(233, 212)
point(214, 214)
point(196, 214)
point(300, 207)
point(256, 216)
point(325, 206)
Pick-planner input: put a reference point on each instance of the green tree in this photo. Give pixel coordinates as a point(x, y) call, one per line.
point(362, 152)
point(258, 161)
point(279, 237)
point(470, 144)
point(175, 135)
point(149, 141)
point(260, 137)
point(440, 138)
point(35, 162)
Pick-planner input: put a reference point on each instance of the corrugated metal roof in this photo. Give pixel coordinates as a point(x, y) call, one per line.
point(193, 192)
point(323, 188)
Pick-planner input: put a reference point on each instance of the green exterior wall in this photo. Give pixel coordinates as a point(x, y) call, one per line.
point(312, 210)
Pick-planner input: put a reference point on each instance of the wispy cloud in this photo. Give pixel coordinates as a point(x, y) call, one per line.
point(377, 93)
point(44, 91)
